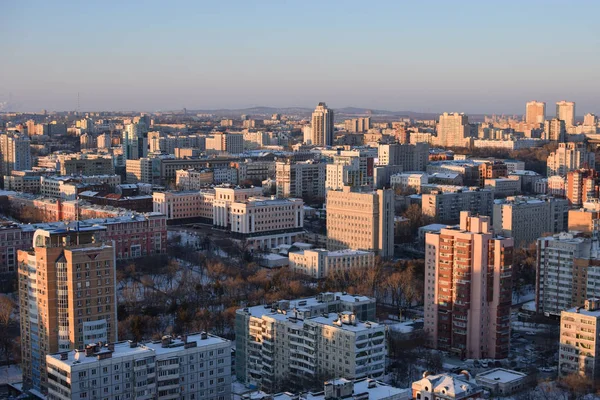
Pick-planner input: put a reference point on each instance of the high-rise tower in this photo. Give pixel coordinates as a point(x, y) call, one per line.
point(322, 126)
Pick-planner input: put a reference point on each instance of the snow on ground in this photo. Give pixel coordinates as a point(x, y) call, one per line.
point(402, 327)
point(10, 374)
point(526, 293)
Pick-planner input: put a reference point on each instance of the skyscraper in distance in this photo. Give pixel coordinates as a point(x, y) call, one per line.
point(565, 111)
point(322, 125)
point(535, 112)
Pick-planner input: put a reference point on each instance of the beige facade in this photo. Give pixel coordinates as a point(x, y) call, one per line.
point(580, 341)
point(565, 111)
point(185, 205)
point(361, 221)
point(86, 165)
point(412, 157)
point(586, 221)
point(190, 179)
point(535, 112)
point(322, 126)
point(453, 131)
point(569, 157)
point(468, 289)
point(225, 143)
point(304, 180)
point(15, 153)
point(319, 263)
point(67, 298)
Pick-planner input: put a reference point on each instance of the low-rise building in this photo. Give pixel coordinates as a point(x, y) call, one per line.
point(504, 382)
point(319, 263)
point(196, 366)
point(503, 186)
point(409, 180)
point(447, 387)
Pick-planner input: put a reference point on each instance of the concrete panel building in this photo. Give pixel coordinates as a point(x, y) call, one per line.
point(468, 289)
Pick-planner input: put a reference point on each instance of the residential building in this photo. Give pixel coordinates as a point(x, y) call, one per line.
point(525, 219)
point(195, 366)
point(585, 221)
point(412, 157)
point(305, 180)
point(67, 297)
point(492, 170)
point(409, 180)
point(565, 111)
point(143, 170)
point(322, 126)
point(580, 341)
point(555, 186)
point(15, 153)
point(590, 120)
point(11, 241)
point(446, 386)
point(349, 171)
point(569, 157)
point(319, 263)
point(562, 267)
point(468, 289)
point(535, 112)
point(445, 207)
point(24, 181)
point(502, 187)
point(555, 130)
point(330, 335)
point(527, 178)
point(453, 130)
point(582, 186)
point(358, 125)
point(229, 143)
point(135, 141)
point(361, 220)
point(254, 170)
point(86, 164)
point(191, 179)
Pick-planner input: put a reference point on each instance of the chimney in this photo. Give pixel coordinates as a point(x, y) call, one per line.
point(64, 356)
point(203, 336)
point(165, 341)
point(132, 344)
point(89, 350)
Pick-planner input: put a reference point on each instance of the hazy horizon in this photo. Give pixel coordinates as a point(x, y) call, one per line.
point(431, 57)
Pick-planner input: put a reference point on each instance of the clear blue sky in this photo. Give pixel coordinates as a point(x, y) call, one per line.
point(430, 56)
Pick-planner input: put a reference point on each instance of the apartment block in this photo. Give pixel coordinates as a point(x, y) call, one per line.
point(580, 341)
point(190, 367)
point(569, 157)
point(319, 263)
point(350, 171)
point(492, 170)
point(83, 164)
point(67, 297)
point(468, 289)
point(535, 112)
point(453, 130)
point(503, 186)
point(582, 186)
point(191, 179)
point(409, 180)
point(24, 181)
point(326, 336)
point(563, 262)
point(525, 219)
point(322, 121)
point(445, 207)
point(412, 157)
point(230, 143)
point(585, 221)
point(565, 111)
point(15, 153)
point(305, 180)
point(11, 241)
point(361, 220)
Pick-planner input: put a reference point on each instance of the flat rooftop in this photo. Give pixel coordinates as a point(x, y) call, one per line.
point(501, 375)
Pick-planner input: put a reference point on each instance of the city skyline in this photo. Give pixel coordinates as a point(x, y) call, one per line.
point(212, 56)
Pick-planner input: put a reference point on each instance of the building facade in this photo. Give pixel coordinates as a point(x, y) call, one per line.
point(468, 289)
point(322, 126)
point(67, 297)
point(445, 207)
point(314, 338)
point(361, 221)
point(319, 263)
point(191, 367)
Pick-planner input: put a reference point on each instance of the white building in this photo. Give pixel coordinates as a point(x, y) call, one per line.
point(194, 367)
point(503, 186)
point(322, 337)
point(319, 263)
point(569, 157)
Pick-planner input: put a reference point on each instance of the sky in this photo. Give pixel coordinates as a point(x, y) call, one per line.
point(424, 56)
